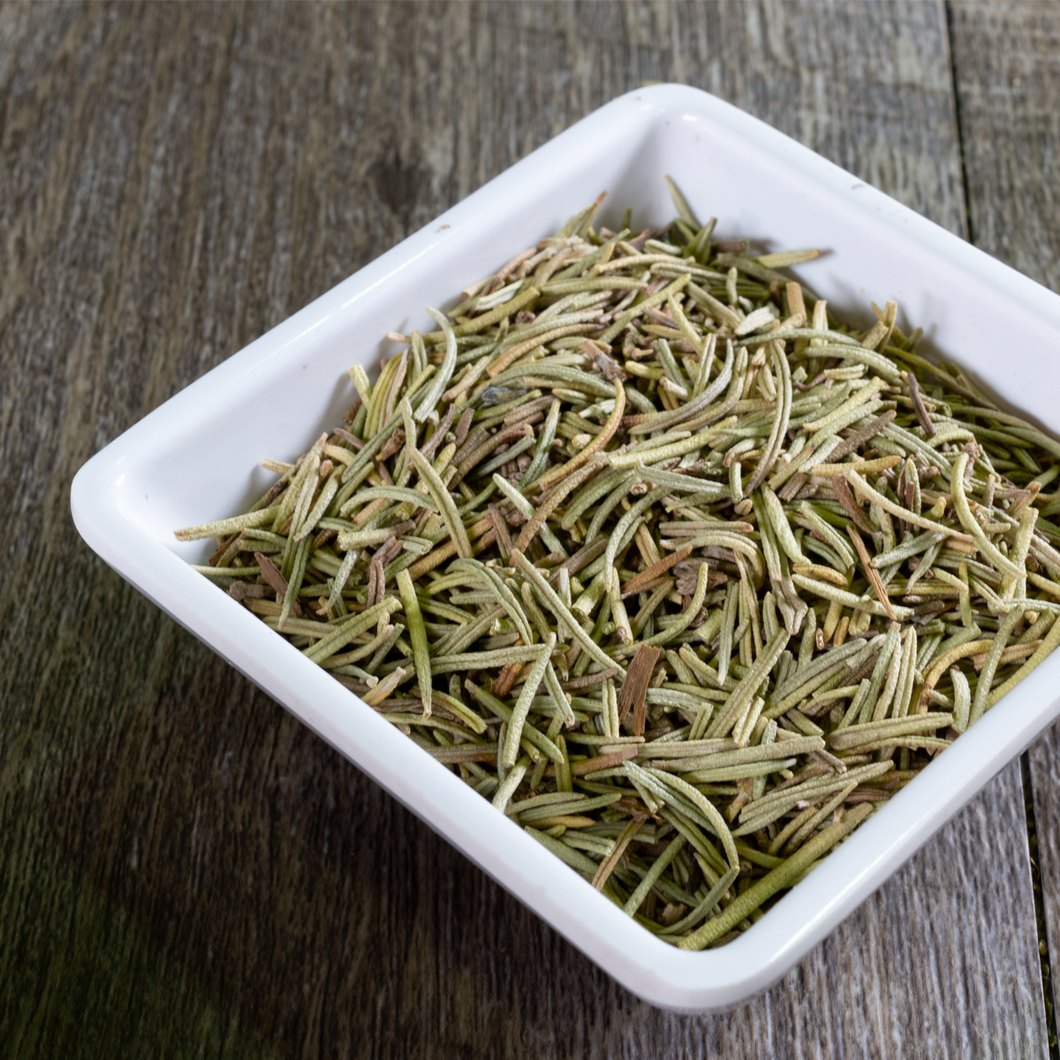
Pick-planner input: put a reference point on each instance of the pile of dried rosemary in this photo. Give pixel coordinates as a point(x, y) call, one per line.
point(682, 573)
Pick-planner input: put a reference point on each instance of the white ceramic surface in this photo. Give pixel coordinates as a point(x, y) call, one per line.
point(174, 469)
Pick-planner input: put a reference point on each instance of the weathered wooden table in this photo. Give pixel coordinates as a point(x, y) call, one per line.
point(184, 869)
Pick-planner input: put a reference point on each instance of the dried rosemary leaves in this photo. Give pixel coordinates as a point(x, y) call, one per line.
point(682, 573)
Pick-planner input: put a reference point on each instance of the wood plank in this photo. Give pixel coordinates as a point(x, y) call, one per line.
point(1044, 769)
point(1007, 59)
point(187, 868)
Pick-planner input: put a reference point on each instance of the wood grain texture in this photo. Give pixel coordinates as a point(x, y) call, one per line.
point(1008, 83)
point(1007, 59)
point(1044, 771)
point(187, 870)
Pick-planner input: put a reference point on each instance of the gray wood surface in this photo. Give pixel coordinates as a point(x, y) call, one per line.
point(184, 869)
point(1008, 89)
point(1007, 68)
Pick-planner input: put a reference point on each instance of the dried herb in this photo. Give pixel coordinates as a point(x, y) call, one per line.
point(683, 573)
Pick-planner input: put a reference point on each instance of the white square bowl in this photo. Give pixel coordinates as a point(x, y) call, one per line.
point(197, 458)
